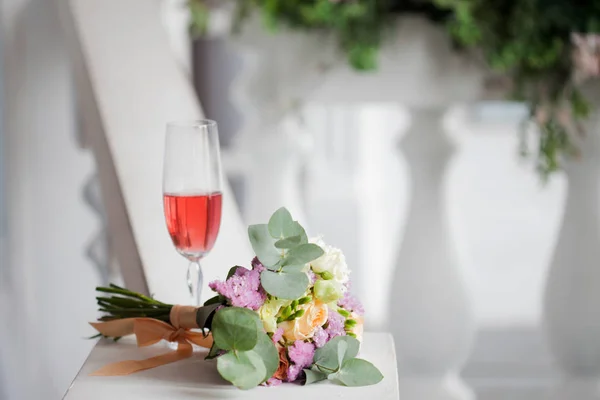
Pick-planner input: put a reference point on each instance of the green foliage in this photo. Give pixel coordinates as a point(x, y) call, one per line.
point(263, 245)
point(244, 369)
point(358, 372)
point(527, 40)
point(337, 361)
point(235, 328)
point(250, 357)
point(358, 25)
point(530, 41)
point(284, 285)
point(282, 247)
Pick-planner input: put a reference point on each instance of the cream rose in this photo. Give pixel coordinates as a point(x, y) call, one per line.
point(315, 315)
point(333, 261)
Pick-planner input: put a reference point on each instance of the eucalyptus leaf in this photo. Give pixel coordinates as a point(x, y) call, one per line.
point(327, 359)
point(263, 245)
point(244, 369)
point(303, 254)
point(235, 328)
point(358, 372)
point(279, 223)
point(342, 347)
point(295, 229)
point(293, 268)
point(269, 354)
point(285, 285)
point(288, 243)
point(313, 376)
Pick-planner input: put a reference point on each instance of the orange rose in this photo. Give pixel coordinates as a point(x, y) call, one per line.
point(315, 315)
point(284, 363)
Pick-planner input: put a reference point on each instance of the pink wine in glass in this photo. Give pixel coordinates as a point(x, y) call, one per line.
point(193, 221)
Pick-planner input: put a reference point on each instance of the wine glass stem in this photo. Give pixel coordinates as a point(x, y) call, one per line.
point(195, 281)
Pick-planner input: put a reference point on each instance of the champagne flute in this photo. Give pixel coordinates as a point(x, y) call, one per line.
point(192, 193)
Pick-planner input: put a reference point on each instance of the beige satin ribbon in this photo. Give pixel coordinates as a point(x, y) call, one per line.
point(149, 331)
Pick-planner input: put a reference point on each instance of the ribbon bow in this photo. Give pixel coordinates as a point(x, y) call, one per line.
point(149, 331)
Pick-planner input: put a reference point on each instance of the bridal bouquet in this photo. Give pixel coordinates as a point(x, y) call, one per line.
point(288, 318)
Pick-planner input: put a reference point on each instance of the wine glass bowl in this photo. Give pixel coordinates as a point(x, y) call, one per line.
point(192, 195)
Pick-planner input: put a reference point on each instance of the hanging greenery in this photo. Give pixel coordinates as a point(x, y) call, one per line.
point(547, 47)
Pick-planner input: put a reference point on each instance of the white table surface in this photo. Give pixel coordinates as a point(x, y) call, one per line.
point(195, 378)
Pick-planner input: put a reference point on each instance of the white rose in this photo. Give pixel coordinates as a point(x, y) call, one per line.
point(333, 261)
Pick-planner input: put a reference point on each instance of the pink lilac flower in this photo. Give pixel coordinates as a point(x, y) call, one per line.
point(257, 265)
point(277, 335)
point(301, 354)
point(312, 276)
point(243, 289)
point(351, 303)
point(320, 337)
point(273, 382)
point(293, 372)
point(335, 326)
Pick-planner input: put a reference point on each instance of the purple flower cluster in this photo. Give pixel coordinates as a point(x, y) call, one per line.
point(335, 326)
point(243, 288)
point(257, 265)
point(301, 354)
point(321, 337)
point(351, 303)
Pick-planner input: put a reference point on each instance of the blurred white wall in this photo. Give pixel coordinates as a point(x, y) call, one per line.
point(47, 284)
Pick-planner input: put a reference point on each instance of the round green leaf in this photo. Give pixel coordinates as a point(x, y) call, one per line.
point(358, 372)
point(235, 328)
point(313, 376)
point(244, 369)
point(288, 243)
point(295, 229)
point(289, 286)
point(303, 254)
point(327, 356)
point(268, 352)
point(279, 222)
point(263, 245)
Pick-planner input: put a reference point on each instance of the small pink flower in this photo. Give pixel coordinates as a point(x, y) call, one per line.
point(277, 335)
point(272, 382)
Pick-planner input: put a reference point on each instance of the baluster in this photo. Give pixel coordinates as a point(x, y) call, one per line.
point(572, 297)
point(431, 317)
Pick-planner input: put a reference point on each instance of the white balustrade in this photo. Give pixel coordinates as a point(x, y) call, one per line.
point(431, 316)
point(572, 298)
